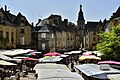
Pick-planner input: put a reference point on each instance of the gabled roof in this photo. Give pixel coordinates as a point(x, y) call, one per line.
point(54, 16)
point(17, 19)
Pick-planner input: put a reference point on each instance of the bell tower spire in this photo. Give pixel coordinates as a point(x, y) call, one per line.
point(81, 26)
point(80, 14)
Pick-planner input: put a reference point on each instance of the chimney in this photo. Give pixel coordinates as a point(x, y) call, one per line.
point(65, 21)
point(39, 20)
point(32, 24)
point(5, 8)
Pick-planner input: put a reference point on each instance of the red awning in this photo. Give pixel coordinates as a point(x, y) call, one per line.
point(109, 62)
point(30, 59)
point(52, 54)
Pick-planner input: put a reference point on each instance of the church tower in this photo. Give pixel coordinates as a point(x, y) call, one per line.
point(81, 20)
point(80, 27)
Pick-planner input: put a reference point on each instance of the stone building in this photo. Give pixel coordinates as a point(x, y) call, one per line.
point(113, 21)
point(91, 37)
point(23, 31)
point(15, 27)
point(59, 35)
point(7, 31)
point(44, 37)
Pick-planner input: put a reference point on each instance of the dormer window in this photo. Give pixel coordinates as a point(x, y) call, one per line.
point(22, 21)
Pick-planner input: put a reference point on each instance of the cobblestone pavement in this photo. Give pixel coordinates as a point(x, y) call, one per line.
point(30, 76)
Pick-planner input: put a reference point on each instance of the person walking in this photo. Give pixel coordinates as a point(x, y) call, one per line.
point(72, 66)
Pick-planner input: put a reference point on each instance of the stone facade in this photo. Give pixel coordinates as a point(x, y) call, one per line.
point(91, 37)
point(11, 32)
point(15, 27)
point(60, 35)
point(23, 31)
point(113, 21)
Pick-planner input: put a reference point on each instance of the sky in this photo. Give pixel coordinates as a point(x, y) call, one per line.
point(94, 10)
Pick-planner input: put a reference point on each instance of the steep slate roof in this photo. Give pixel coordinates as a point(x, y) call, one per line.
point(6, 20)
point(69, 27)
point(92, 26)
point(10, 16)
point(52, 29)
point(116, 14)
point(17, 19)
point(10, 19)
point(56, 28)
point(36, 28)
point(54, 16)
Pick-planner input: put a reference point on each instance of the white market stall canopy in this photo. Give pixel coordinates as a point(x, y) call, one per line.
point(63, 56)
point(73, 52)
point(96, 71)
point(51, 71)
point(15, 52)
point(6, 63)
point(50, 59)
point(57, 74)
point(114, 77)
point(50, 66)
point(4, 57)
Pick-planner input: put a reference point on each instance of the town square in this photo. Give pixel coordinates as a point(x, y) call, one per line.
point(59, 40)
